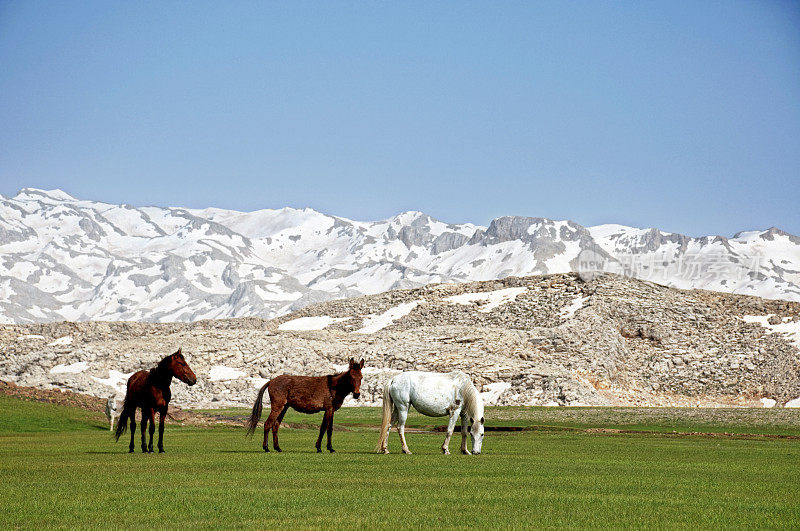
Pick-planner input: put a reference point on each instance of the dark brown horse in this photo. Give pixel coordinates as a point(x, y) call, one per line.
point(149, 390)
point(307, 394)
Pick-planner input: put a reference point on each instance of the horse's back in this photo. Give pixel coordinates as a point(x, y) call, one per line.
point(431, 393)
point(137, 379)
point(136, 384)
point(303, 393)
point(286, 382)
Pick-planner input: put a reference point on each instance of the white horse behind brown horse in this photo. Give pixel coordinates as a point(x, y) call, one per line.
point(114, 408)
point(435, 395)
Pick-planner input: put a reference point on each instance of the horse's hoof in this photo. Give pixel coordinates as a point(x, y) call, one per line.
point(266, 449)
point(277, 449)
point(331, 450)
point(407, 452)
point(319, 450)
point(466, 452)
point(445, 452)
point(130, 450)
point(384, 451)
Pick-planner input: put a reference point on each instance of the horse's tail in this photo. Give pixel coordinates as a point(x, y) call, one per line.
point(122, 423)
point(255, 416)
point(386, 422)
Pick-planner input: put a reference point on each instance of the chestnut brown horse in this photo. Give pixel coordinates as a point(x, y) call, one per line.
point(307, 394)
point(149, 390)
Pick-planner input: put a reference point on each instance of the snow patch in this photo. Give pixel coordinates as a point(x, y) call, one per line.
point(790, 329)
point(73, 368)
point(569, 311)
point(379, 322)
point(493, 299)
point(29, 337)
point(66, 340)
point(311, 323)
point(257, 382)
point(116, 379)
point(793, 403)
point(768, 402)
point(492, 391)
point(221, 372)
point(763, 320)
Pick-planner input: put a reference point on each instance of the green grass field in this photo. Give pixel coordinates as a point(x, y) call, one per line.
point(60, 467)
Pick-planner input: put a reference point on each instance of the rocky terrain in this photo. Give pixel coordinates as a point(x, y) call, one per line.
point(560, 339)
point(63, 258)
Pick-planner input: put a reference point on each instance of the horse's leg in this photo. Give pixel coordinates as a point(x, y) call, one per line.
point(330, 431)
point(151, 430)
point(133, 430)
point(161, 416)
point(275, 429)
point(275, 410)
point(402, 415)
point(392, 422)
point(322, 428)
point(145, 416)
point(464, 432)
point(451, 426)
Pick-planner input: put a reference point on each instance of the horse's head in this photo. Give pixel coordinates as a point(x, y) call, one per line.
point(180, 369)
point(355, 376)
point(476, 433)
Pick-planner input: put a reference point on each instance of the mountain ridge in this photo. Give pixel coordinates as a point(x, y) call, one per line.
point(64, 258)
point(541, 340)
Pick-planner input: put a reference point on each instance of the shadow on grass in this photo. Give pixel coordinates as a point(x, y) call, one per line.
point(294, 451)
point(105, 452)
point(259, 451)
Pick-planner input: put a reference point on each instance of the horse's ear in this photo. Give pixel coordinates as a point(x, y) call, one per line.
point(352, 362)
point(361, 364)
point(179, 350)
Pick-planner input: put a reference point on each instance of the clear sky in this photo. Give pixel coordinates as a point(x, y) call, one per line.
point(679, 115)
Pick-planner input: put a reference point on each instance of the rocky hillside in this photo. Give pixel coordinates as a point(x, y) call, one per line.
point(553, 339)
point(63, 258)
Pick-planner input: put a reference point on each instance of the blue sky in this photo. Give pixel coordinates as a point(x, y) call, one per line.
point(679, 115)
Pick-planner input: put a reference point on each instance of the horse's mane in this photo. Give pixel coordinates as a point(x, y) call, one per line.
point(162, 365)
point(473, 403)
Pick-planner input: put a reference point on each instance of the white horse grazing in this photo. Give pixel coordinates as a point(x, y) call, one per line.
point(436, 395)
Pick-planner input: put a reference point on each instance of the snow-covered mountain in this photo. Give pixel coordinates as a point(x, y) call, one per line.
point(62, 258)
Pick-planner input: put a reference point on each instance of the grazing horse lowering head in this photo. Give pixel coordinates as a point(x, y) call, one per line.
point(355, 376)
point(476, 434)
point(177, 366)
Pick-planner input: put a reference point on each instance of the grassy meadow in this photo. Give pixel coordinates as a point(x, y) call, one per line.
point(61, 468)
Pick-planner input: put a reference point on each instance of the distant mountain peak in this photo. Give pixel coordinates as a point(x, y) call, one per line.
point(37, 193)
point(411, 217)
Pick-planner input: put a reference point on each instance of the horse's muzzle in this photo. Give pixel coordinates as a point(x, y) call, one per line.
point(356, 395)
point(191, 382)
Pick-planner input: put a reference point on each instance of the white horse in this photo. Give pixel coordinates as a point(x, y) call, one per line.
point(113, 405)
point(436, 395)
